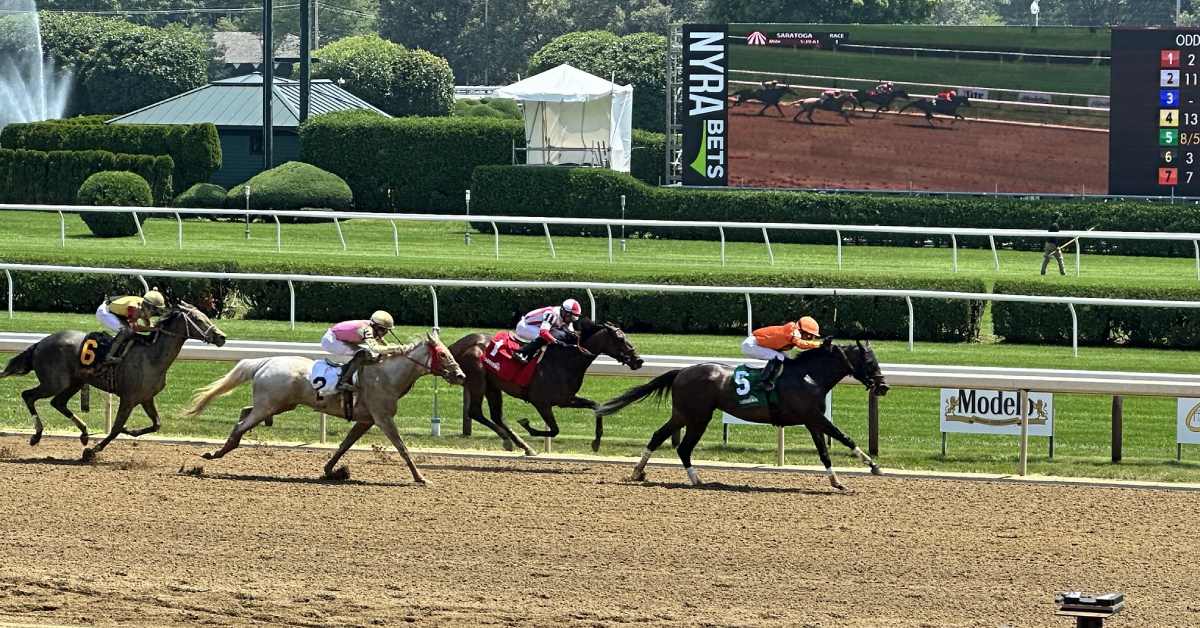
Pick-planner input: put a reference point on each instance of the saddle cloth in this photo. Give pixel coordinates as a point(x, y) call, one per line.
point(748, 388)
point(324, 377)
point(94, 349)
point(498, 359)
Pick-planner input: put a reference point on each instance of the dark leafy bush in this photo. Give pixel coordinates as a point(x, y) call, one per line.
point(194, 148)
point(487, 108)
point(54, 177)
point(123, 189)
point(397, 80)
point(293, 186)
point(202, 196)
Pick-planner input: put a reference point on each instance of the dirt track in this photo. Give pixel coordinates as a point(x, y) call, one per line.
point(255, 540)
point(892, 151)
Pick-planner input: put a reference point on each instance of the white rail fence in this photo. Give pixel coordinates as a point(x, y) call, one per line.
point(1024, 380)
point(589, 288)
point(609, 223)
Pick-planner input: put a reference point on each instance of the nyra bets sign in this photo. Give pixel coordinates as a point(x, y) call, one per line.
point(973, 411)
point(705, 105)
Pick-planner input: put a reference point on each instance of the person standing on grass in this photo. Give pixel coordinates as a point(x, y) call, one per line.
point(1052, 249)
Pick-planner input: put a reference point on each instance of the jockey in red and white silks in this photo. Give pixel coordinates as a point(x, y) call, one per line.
point(546, 325)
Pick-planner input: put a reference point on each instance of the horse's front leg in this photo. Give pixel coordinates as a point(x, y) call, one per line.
point(823, 454)
point(244, 424)
point(152, 412)
point(352, 436)
point(547, 413)
point(837, 434)
point(123, 412)
point(388, 427)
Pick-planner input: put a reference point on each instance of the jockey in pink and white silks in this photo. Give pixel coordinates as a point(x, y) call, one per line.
point(358, 340)
point(547, 325)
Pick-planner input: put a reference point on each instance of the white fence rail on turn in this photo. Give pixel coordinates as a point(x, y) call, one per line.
point(545, 221)
point(1114, 383)
point(589, 288)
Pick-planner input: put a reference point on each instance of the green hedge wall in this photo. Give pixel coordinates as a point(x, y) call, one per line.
point(1038, 323)
point(52, 177)
point(428, 162)
point(488, 309)
point(195, 148)
point(585, 192)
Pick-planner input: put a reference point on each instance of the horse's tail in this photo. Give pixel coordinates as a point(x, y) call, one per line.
point(21, 364)
point(659, 386)
point(240, 374)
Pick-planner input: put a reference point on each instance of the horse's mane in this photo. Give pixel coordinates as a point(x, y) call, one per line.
point(815, 354)
point(405, 348)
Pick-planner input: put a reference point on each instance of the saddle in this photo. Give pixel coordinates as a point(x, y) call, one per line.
point(498, 358)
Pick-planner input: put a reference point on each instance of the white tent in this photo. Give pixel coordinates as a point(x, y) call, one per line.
point(572, 117)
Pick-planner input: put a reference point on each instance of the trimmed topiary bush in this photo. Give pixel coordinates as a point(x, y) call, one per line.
point(202, 196)
point(397, 80)
point(501, 108)
point(293, 186)
point(124, 189)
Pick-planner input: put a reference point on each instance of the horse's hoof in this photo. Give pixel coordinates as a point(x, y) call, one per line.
point(530, 453)
point(637, 476)
point(422, 482)
point(596, 445)
point(208, 456)
point(340, 474)
point(838, 485)
point(89, 454)
point(83, 439)
point(37, 438)
point(508, 445)
point(876, 470)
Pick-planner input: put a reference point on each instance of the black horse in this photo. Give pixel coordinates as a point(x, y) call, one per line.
point(944, 107)
point(883, 99)
point(700, 389)
point(769, 96)
point(556, 383)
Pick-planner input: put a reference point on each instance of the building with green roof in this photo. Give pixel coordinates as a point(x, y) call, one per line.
point(235, 107)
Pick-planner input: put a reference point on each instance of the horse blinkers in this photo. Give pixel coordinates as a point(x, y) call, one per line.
point(873, 381)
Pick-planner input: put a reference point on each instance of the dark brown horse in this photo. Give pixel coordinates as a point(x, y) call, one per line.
point(700, 389)
point(556, 383)
point(140, 376)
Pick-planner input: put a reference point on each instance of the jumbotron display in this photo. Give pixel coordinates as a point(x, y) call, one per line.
point(955, 109)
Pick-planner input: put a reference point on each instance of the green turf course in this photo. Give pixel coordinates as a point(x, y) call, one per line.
point(32, 237)
point(1022, 75)
point(1009, 38)
point(909, 433)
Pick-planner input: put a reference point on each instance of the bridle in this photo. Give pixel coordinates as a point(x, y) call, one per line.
point(625, 357)
point(191, 324)
point(435, 359)
point(859, 370)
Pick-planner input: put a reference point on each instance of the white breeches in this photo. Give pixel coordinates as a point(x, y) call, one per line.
point(526, 332)
point(108, 319)
point(751, 349)
point(330, 343)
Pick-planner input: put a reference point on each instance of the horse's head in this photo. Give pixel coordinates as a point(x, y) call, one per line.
point(608, 339)
point(187, 321)
point(441, 361)
point(864, 366)
point(963, 101)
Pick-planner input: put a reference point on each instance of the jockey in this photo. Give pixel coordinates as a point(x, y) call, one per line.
point(128, 316)
point(547, 325)
point(770, 343)
point(830, 95)
point(884, 88)
point(947, 95)
point(359, 340)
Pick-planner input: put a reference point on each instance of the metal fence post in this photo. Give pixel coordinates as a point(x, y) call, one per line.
point(912, 322)
point(436, 323)
point(610, 251)
point(179, 222)
point(721, 230)
point(496, 232)
point(1118, 417)
point(1196, 245)
point(138, 224)
point(8, 276)
point(292, 304)
point(749, 316)
point(549, 240)
point(395, 237)
point(779, 446)
point(145, 286)
point(995, 255)
point(954, 248)
point(1023, 401)
point(62, 233)
point(838, 234)
point(337, 223)
point(324, 428)
point(770, 253)
point(872, 424)
point(592, 300)
point(1074, 330)
point(1076, 257)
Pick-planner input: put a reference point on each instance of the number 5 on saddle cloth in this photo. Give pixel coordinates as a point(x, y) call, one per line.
point(747, 388)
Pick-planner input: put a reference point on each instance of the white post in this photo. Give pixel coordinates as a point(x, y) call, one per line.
point(435, 421)
point(467, 229)
point(395, 237)
point(1023, 401)
point(292, 304)
point(622, 223)
point(838, 234)
point(324, 428)
point(138, 224)
point(436, 322)
point(549, 240)
point(246, 190)
point(749, 316)
point(610, 251)
point(1196, 245)
point(912, 322)
point(592, 300)
point(770, 253)
point(954, 247)
point(496, 232)
point(8, 275)
point(179, 221)
point(1077, 244)
point(547, 442)
point(62, 230)
point(278, 234)
point(341, 237)
point(779, 447)
point(995, 256)
point(1074, 329)
point(145, 286)
point(722, 231)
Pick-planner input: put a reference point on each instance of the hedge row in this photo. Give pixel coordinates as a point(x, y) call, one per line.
point(593, 193)
point(427, 163)
point(195, 148)
point(54, 177)
point(1038, 323)
point(488, 308)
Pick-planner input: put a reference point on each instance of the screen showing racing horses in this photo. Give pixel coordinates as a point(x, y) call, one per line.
point(884, 107)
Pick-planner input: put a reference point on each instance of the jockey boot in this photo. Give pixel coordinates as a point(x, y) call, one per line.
point(119, 347)
point(530, 349)
point(346, 378)
point(771, 374)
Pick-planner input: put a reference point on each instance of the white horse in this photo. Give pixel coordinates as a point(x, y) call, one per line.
point(281, 384)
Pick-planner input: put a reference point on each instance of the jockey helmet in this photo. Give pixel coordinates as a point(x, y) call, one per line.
point(153, 300)
point(809, 325)
point(572, 307)
point(382, 319)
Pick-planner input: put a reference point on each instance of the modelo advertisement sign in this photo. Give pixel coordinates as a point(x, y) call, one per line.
point(705, 105)
point(974, 411)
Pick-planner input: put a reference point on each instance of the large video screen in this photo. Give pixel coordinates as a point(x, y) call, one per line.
point(933, 108)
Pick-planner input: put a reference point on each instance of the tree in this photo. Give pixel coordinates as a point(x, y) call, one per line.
point(400, 81)
point(965, 13)
point(822, 11)
point(636, 59)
